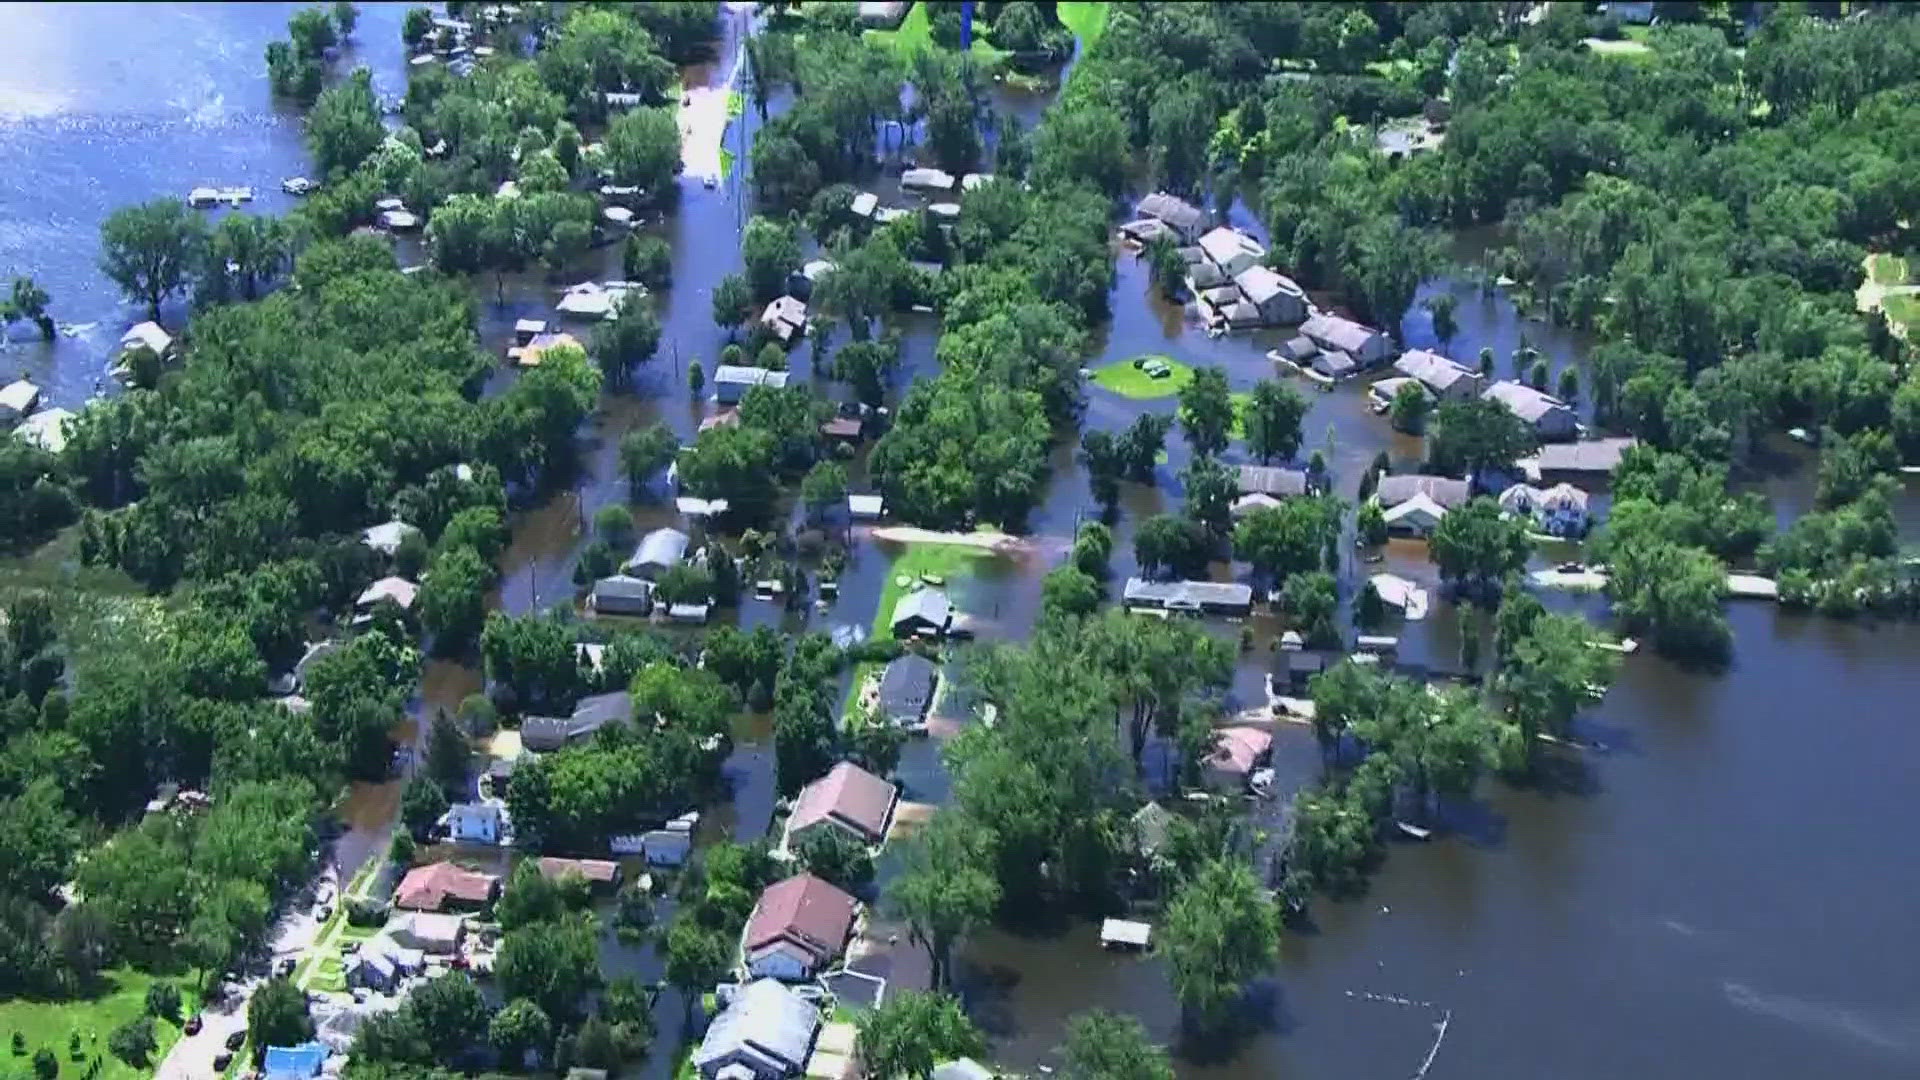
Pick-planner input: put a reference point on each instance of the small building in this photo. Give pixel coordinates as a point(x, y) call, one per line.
point(1279, 299)
point(1405, 597)
point(924, 611)
point(590, 714)
point(1148, 230)
point(1125, 934)
point(525, 330)
point(1587, 458)
point(431, 932)
point(1298, 350)
point(731, 382)
point(1231, 250)
point(621, 595)
point(798, 927)
point(658, 551)
point(535, 351)
point(595, 299)
point(1152, 824)
point(666, 847)
point(945, 211)
point(765, 1033)
point(1445, 491)
point(864, 204)
point(866, 507)
point(386, 538)
point(1237, 752)
point(397, 589)
point(926, 180)
point(399, 220)
point(302, 1062)
point(846, 429)
point(1445, 379)
point(46, 429)
point(786, 316)
point(1418, 516)
point(476, 823)
point(690, 613)
point(1367, 346)
point(1560, 510)
point(1301, 667)
point(17, 399)
point(1185, 220)
point(1335, 365)
point(906, 689)
point(444, 885)
point(1247, 504)
point(962, 1069)
point(1211, 597)
point(149, 336)
point(848, 798)
point(1546, 416)
point(1272, 480)
point(602, 874)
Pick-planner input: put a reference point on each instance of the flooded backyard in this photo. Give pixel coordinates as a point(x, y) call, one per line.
point(1724, 887)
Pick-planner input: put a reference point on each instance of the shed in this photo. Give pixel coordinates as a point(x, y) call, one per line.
point(1301, 667)
point(926, 180)
point(658, 551)
point(785, 316)
point(693, 614)
point(147, 335)
point(906, 689)
point(387, 537)
point(17, 399)
point(864, 204)
point(397, 589)
point(1298, 350)
point(600, 873)
point(399, 220)
point(848, 798)
point(46, 429)
point(1125, 934)
point(525, 330)
point(925, 610)
point(622, 595)
point(866, 506)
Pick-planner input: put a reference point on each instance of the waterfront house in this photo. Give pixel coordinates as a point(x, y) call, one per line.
point(622, 595)
point(46, 429)
point(1271, 480)
point(535, 351)
point(765, 1033)
point(525, 330)
point(1368, 347)
point(1237, 752)
point(906, 689)
point(431, 932)
point(1405, 597)
point(1247, 504)
point(1418, 516)
point(848, 798)
point(866, 507)
point(387, 537)
point(1298, 350)
point(690, 614)
point(1444, 491)
point(18, 399)
point(924, 611)
point(443, 885)
point(476, 823)
point(1231, 250)
point(1445, 379)
point(149, 336)
point(1211, 597)
point(1147, 230)
point(1587, 459)
point(590, 714)
point(785, 316)
point(602, 874)
point(926, 180)
point(1335, 365)
point(397, 589)
point(1181, 218)
point(1546, 416)
point(798, 927)
point(658, 551)
point(1278, 298)
point(730, 381)
point(1560, 510)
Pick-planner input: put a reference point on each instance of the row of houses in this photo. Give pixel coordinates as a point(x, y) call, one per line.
point(1444, 379)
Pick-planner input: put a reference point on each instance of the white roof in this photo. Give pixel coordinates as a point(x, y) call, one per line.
point(19, 397)
point(817, 269)
point(593, 299)
point(1400, 593)
point(1258, 500)
point(765, 1021)
point(786, 309)
point(697, 507)
point(149, 334)
point(866, 505)
point(975, 179)
point(749, 376)
point(662, 548)
point(1223, 245)
point(1332, 331)
point(1261, 284)
point(1126, 931)
point(1435, 372)
point(1419, 506)
point(865, 203)
point(933, 179)
point(399, 219)
point(46, 430)
point(1524, 401)
point(619, 215)
point(530, 326)
point(944, 209)
point(398, 589)
point(387, 537)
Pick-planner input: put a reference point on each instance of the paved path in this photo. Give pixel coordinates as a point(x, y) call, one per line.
point(703, 110)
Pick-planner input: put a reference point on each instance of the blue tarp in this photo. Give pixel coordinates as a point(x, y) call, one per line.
point(295, 1062)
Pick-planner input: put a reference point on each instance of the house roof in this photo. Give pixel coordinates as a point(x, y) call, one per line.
point(1525, 498)
point(766, 1022)
point(850, 794)
point(426, 888)
point(930, 179)
point(387, 537)
point(1419, 506)
point(46, 429)
point(1247, 504)
point(865, 203)
point(962, 1069)
point(1225, 593)
point(907, 683)
point(927, 603)
point(398, 589)
point(1262, 284)
point(1435, 372)
point(149, 334)
point(1150, 825)
point(1524, 401)
point(843, 427)
point(1334, 363)
point(1299, 349)
point(661, 547)
point(694, 506)
point(1334, 332)
point(19, 396)
point(865, 505)
point(536, 349)
point(737, 375)
point(296, 1062)
point(1444, 490)
point(1271, 480)
point(1398, 592)
point(1239, 749)
point(1171, 209)
point(1224, 245)
point(1590, 456)
point(786, 309)
point(622, 587)
point(480, 811)
point(429, 926)
point(598, 871)
point(804, 909)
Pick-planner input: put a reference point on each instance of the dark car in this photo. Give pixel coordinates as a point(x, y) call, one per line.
point(221, 1060)
point(234, 1040)
point(192, 1026)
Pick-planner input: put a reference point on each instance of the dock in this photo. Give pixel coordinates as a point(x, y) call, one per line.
point(1739, 586)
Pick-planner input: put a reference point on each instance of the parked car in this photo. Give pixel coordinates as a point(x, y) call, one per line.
point(192, 1026)
point(347, 947)
point(284, 967)
point(323, 912)
point(235, 1039)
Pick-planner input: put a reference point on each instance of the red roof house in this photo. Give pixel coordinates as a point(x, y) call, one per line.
point(444, 884)
point(1237, 752)
point(848, 797)
point(798, 927)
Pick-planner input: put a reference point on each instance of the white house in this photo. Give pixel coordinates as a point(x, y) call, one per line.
point(476, 823)
point(1367, 346)
point(765, 1033)
point(1444, 378)
point(18, 399)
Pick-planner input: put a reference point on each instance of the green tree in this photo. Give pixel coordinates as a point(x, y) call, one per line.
point(1210, 487)
point(28, 301)
point(452, 1014)
point(151, 250)
point(1168, 545)
point(1671, 594)
point(1206, 411)
point(1410, 406)
point(834, 856)
point(630, 339)
point(731, 298)
point(1371, 523)
point(1102, 1045)
point(1220, 932)
point(648, 260)
point(1310, 600)
point(696, 958)
point(131, 1042)
point(912, 1031)
point(643, 149)
point(519, 1027)
point(769, 251)
point(447, 752)
point(343, 127)
point(824, 486)
point(553, 964)
point(346, 16)
point(1475, 435)
point(277, 1016)
point(1272, 419)
point(1477, 547)
point(1280, 541)
point(946, 888)
point(1068, 590)
point(1441, 307)
point(646, 451)
point(453, 599)
point(421, 804)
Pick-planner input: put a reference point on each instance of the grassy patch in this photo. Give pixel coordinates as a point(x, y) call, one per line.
point(726, 164)
point(1624, 49)
point(123, 997)
point(915, 34)
point(1240, 403)
point(1087, 20)
point(1885, 269)
point(1902, 308)
point(1389, 68)
point(736, 105)
point(945, 561)
point(56, 565)
point(1129, 381)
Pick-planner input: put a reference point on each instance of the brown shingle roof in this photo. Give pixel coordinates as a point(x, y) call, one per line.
point(598, 871)
point(849, 796)
point(427, 888)
point(805, 910)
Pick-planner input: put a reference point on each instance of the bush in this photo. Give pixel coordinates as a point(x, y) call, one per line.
point(131, 1042)
point(45, 1065)
point(366, 911)
point(163, 1000)
point(478, 716)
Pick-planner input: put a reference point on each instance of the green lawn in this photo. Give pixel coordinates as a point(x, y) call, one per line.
point(56, 565)
point(1129, 381)
point(1902, 308)
point(1087, 20)
point(52, 1023)
point(1887, 269)
point(947, 561)
point(915, 33)
point(1625, 49)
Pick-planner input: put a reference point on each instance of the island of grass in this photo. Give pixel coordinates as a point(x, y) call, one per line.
point(1134, 379)
point(1087, 20)
point(119, 995)
point(1886, 269)
point(946, 563)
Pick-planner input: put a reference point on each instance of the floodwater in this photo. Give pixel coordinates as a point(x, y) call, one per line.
point(1724, 887)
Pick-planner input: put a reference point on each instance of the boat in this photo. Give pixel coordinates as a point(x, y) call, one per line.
point(297, 185)
point(202, 197)
point(1413, 832)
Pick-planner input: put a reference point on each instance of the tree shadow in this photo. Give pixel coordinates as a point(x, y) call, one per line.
point(1260, 1010)
point(987, 992)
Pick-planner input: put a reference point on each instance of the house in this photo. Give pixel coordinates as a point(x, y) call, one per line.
point(622, 595)
point(962, 1069)
point(1203, 275)
point(730, 381)
point(399, 220)
point(476, 823)
point(1145, 231)
point(1382, 392)
point(1125, 934)
point(1271, 480)
point(925, 611)
point(46, 429)
point(1404, 596)
point(666, 847)
point(601, 874)
point(382, 963)
point(848, 798)
point(865, 204)
point(926, 180)
point(1445, 491)
point(1237, 752)
point(149, 336)
point(1417, 516)
point(525, 330)
point(765, 1033)
point(596, 300)
point(431, 932)
point(1298, 350)
point(386, 538)
point(442, 885)
point(590, 714)
point(1280, 299)
point(397, 589)
point(867, 507)
point(1301, 667)
point(846, 429)
point(658, 551)
point(691, 614)
point(1151, 825)
point(1231, 250)
point(1444, 379)
point(723, 418)
point(906, 689)
point(1212, 597)
point(1247, 504)
point(535, 351)
point(1546, 416)
point(1589, 457)
point(1335, 365)
point(1183, 219)
point(798, 927)
point(1367, 346)
point(785, 316)
point(1560, 510)
point(302, 1062)
point(18, 399)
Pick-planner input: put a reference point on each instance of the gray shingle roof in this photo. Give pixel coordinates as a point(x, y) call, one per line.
point(767, 1022)
point(1270, 480)
point(1443, 490)
point(927, 603)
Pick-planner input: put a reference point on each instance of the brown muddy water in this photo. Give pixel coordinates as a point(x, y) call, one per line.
point(1725, 887)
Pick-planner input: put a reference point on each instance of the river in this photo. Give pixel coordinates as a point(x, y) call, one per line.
point(1718, 891)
